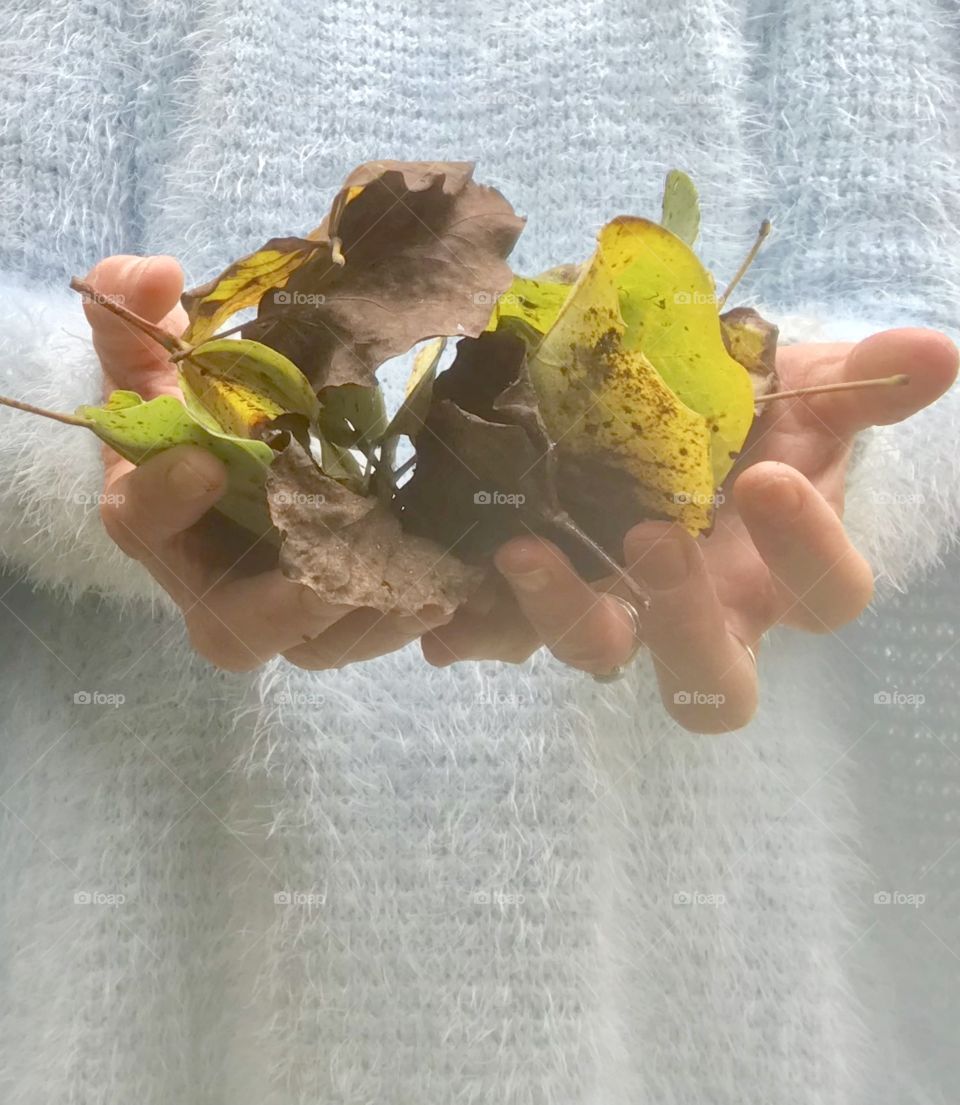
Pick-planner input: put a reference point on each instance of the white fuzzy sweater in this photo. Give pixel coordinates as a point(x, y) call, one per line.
point(394, 885)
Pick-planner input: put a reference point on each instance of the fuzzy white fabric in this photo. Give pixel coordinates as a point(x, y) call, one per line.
point(393, 884)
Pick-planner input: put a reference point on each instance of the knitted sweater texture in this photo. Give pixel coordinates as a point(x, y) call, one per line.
point(394, 885)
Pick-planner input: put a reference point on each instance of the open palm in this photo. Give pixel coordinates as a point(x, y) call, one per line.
point(778, 553)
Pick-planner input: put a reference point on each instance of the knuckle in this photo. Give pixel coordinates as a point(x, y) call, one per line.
point(219, 646)
point(120, 525)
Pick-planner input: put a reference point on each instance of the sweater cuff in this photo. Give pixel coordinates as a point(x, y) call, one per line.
point(51, 475)
point(902, 506)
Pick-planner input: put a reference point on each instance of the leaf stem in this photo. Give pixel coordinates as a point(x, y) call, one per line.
point(563, 521)
point(169, 341)
point(56, 416)
point(765, 228)
point(188, 349)
point(852, 385)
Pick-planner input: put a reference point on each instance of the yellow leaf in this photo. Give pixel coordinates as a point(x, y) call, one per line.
point(240, 386)
point(242, 284)
point(668, 302)
point(634, 373)
point(412, 413)
point(533, 302)
point(609, 405)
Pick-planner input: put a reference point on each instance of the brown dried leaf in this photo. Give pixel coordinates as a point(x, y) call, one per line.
point(486, 470)
point(411, 250)
point(351, 549)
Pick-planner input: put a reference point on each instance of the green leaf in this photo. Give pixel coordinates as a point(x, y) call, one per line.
point(139, 430)
point(353, 415)
point(681, 207)
point(239, 386)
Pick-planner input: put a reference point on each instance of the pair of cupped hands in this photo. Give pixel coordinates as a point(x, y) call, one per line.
point(778, 553)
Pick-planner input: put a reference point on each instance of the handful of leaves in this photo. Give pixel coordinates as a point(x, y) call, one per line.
point(578, 402)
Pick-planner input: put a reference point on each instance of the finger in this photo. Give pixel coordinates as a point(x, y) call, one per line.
point(363, 635)
point(707, 679)
point(241, 624)
point(147, 508)
point(927, 357)
point(587, 630)
point(150, 287)
point(489, 627)
point(822, 581)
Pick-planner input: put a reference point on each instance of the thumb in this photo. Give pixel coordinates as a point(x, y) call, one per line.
point(149, 287)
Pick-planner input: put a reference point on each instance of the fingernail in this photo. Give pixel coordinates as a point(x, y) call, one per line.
point(662, 563)
point(531, 582)
point(135, 268)
point(188, 482)
point(778, 495)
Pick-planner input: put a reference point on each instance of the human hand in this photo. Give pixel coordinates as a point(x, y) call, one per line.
point(239, 609)
point(778, 553)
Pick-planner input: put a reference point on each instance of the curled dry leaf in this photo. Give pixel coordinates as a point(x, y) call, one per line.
point(752, 341)
point(242, 284)
point(411, 250)
point(351, 548)
point(481, 474)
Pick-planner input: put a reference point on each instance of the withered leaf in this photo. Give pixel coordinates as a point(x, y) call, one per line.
point(480, 475)
point(242, 284)
point(351, 548)
point(752, 341)
point(411, 250)
point(486, 470)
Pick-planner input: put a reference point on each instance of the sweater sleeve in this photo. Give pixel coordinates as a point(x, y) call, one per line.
point(51, 476)
point(902, 507)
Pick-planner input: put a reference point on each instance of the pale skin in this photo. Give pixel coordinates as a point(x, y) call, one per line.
point(778, 554)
